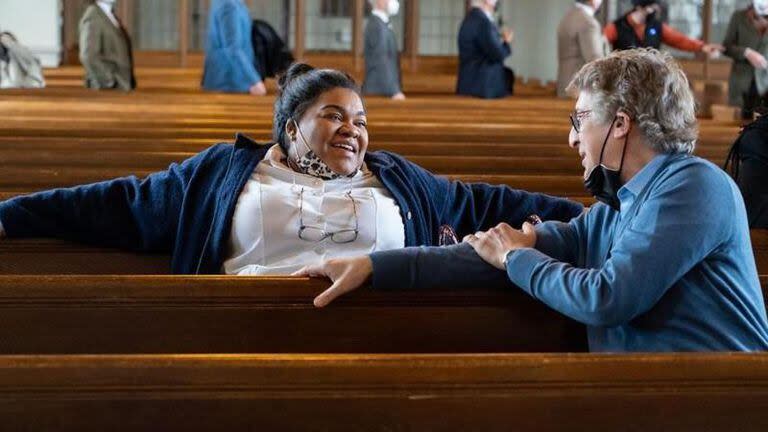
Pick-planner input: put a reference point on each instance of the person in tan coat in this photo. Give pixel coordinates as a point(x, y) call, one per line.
point(105, 49)
point(579, 41)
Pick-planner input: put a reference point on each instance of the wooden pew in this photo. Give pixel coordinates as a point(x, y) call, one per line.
point(681, 392)
point(217, 314)
point(50, 256)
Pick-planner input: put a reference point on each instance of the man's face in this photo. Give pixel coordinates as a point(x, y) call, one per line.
point(596, 4)
point(588, 141)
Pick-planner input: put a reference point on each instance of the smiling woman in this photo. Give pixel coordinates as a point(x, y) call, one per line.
point(315, 192)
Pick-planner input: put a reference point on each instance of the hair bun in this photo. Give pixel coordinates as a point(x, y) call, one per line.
point(294, 71)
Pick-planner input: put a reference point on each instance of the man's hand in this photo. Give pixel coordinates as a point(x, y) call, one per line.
point(398, 96)
point(508, 35)
point(756, 59)
point(258, 89)
point(347, 274)
point(494, 244)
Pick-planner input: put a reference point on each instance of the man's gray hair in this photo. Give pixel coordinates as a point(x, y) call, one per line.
point(651, 88)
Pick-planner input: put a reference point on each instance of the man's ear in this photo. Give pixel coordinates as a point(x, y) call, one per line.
point(622, 125)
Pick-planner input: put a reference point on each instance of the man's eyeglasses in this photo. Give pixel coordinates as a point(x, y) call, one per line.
point(316, 234)
point(576, 118)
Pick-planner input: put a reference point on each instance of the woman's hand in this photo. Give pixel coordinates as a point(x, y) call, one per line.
point(494, 244)
point(347, 274)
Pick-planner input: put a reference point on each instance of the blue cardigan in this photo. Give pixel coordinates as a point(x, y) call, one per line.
point(229, 58)
point(187, 210)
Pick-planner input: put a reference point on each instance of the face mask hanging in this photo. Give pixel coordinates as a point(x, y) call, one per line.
point(604, 183)
point(310, 163)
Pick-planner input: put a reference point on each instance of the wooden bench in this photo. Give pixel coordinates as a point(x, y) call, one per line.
point(218, 314)
point(385, 392)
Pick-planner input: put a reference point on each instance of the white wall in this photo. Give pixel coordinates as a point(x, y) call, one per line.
point(37, 25)
point(535, 25)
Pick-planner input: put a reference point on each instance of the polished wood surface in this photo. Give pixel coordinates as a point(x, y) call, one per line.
point(681, 392)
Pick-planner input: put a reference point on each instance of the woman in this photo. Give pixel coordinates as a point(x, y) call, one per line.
point(249, 208)
point(743, 42)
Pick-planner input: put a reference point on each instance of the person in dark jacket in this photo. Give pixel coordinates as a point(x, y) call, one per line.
point(482, 50)
point(643, 27)
point(747, 163)
point(382, 58)
point(249, 208)
point(272, 56)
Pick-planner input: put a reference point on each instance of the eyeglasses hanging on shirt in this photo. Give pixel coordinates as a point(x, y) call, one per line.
point(315, 233)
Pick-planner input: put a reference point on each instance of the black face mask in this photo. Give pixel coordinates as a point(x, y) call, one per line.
point(604, 183)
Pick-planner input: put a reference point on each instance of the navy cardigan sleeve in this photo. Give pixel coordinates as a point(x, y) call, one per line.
point(451, 267)
point(126, 212)
point(467, 208)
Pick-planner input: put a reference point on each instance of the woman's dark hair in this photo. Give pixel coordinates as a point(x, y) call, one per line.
point(299, 88)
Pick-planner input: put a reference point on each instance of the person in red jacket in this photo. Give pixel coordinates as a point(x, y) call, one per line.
point(642, 28)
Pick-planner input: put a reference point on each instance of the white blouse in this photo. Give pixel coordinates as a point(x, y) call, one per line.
point(264, 239)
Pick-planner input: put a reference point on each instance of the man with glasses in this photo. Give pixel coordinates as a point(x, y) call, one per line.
point(662, 263)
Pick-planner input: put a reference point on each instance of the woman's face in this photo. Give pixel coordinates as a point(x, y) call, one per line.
point(335, 128)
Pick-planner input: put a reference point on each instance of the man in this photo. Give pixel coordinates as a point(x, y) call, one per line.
point(642, 28)
point(229, 56)
point(579, 41)
point(105, 49)
point(482, 50)
point(382, 58)
point(663, 263)
point(746, 44)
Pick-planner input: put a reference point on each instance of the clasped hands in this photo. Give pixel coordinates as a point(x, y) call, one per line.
point(494, 245)
point(348, 274)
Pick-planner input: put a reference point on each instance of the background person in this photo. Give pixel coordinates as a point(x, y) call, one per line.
point(382, 58)
point(229, 57)
point(105, 49)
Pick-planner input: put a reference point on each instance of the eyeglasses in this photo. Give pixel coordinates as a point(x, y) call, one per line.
point(316, 234)
point(576, 118)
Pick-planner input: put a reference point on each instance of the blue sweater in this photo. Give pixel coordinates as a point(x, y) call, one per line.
point(187, 210)
point(671, 271)
point(229, 57)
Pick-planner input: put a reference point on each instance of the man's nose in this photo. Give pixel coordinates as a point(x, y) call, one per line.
point(573, 138)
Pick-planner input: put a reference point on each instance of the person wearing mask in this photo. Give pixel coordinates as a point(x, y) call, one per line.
point(642, 27)
point(482, 50)
point(579, 41)
point(254, 209)
point(382, 58)
point(746, 44)
point(229, 57)
point(105, 48)
point(654, 266)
